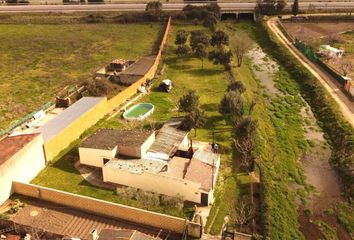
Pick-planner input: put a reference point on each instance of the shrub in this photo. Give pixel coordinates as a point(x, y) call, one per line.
point(171, 202)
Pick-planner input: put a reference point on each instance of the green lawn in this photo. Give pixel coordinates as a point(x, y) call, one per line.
point(38, 60)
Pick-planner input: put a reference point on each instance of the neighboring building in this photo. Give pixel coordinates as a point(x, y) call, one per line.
point(114, 68)
point(66, 127)
point(21, 159)
point(135, 71)
point(331, 52)
point(105, 144)
point(165, 165)
point(349, 86)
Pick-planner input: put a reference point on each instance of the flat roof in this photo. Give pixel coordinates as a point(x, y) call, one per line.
point(141, 66)
point(69, 115)
point(169, 137)
point(137, 166)
point(9, 146)
point(110, 138)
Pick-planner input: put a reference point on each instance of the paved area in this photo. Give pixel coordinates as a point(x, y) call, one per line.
point(63, 220)
point(330, 84)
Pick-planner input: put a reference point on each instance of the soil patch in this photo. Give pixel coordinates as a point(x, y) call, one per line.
point(308, 32)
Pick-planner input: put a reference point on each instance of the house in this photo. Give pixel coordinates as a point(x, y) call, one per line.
point(164, 164)
point(113, 68)
point(331, 52)
point(135, 71)
point(21, 159)
point(105, 144)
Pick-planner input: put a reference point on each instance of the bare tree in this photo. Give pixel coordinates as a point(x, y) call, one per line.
point(244, 213)
point(242, 44)
point(344, 66)
point(244, 140)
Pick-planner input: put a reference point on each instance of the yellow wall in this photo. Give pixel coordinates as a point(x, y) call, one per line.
point(94, 157)
point(103, 208)
point(73, 131)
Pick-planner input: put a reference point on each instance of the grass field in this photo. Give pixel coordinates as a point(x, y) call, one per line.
point(38, 60)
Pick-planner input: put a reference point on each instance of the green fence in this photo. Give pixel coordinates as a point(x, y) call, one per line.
point(23, 120)
point(308, 52)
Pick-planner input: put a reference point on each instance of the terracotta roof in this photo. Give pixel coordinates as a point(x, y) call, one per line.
point(177, 167)
point(9, 146)
point(110, 138)
point(200, 172)
point(123, 234)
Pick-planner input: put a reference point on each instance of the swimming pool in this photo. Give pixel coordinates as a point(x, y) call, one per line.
point(139, 111)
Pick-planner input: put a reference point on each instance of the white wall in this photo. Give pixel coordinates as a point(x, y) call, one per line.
point(94, 157)
point(147, 144)
point(155, 183)
point(22, 167)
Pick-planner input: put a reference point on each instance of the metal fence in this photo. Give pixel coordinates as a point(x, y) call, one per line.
point(24, 119)
point(308, 52)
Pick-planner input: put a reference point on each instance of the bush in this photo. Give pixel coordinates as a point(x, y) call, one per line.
point(98, 87)
point(171, 202)
point(4, 216)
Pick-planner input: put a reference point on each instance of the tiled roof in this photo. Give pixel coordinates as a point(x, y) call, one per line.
point(200, 172)
point(9, 146)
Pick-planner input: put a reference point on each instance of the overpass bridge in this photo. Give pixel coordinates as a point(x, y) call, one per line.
point(226, 7)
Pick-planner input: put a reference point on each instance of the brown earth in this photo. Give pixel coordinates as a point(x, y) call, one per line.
point(309, 32)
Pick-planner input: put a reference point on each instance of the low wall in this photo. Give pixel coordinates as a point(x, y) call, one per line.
point(108, 209)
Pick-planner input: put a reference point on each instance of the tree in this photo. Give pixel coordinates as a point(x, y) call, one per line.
point(270, 7)
point(219, 38)
point(242, 44)
point(244, 213)
point(236, 86)
point(188, 102)
point(193, 120)
point(210, 21)
point(244, 133)
point(181, 37)
point(344, 66)
point(182, 50)
point(295, 7)
point(201, 52)
point(154, 9)
point(214, 8)
point(221, 56)
point(198, 36)
point(232, 103)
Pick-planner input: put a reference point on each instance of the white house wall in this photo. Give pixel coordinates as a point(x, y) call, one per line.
point(94, 157)
point(22, 167)
point(154, 183)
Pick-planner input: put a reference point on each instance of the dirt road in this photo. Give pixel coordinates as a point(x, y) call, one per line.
point(330, 84)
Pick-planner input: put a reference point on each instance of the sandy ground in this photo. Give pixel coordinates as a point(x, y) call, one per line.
point(308, 32)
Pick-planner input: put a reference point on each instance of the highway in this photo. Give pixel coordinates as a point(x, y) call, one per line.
point(124, 7)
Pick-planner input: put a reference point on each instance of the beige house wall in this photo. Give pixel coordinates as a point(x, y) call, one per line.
point(104, 208)
point(154, 183)
point(94, 157)
point(22, 167)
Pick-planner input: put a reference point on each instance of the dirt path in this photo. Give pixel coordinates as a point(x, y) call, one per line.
point(332, 87)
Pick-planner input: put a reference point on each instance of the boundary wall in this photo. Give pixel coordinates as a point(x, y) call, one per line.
point(108, 209)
